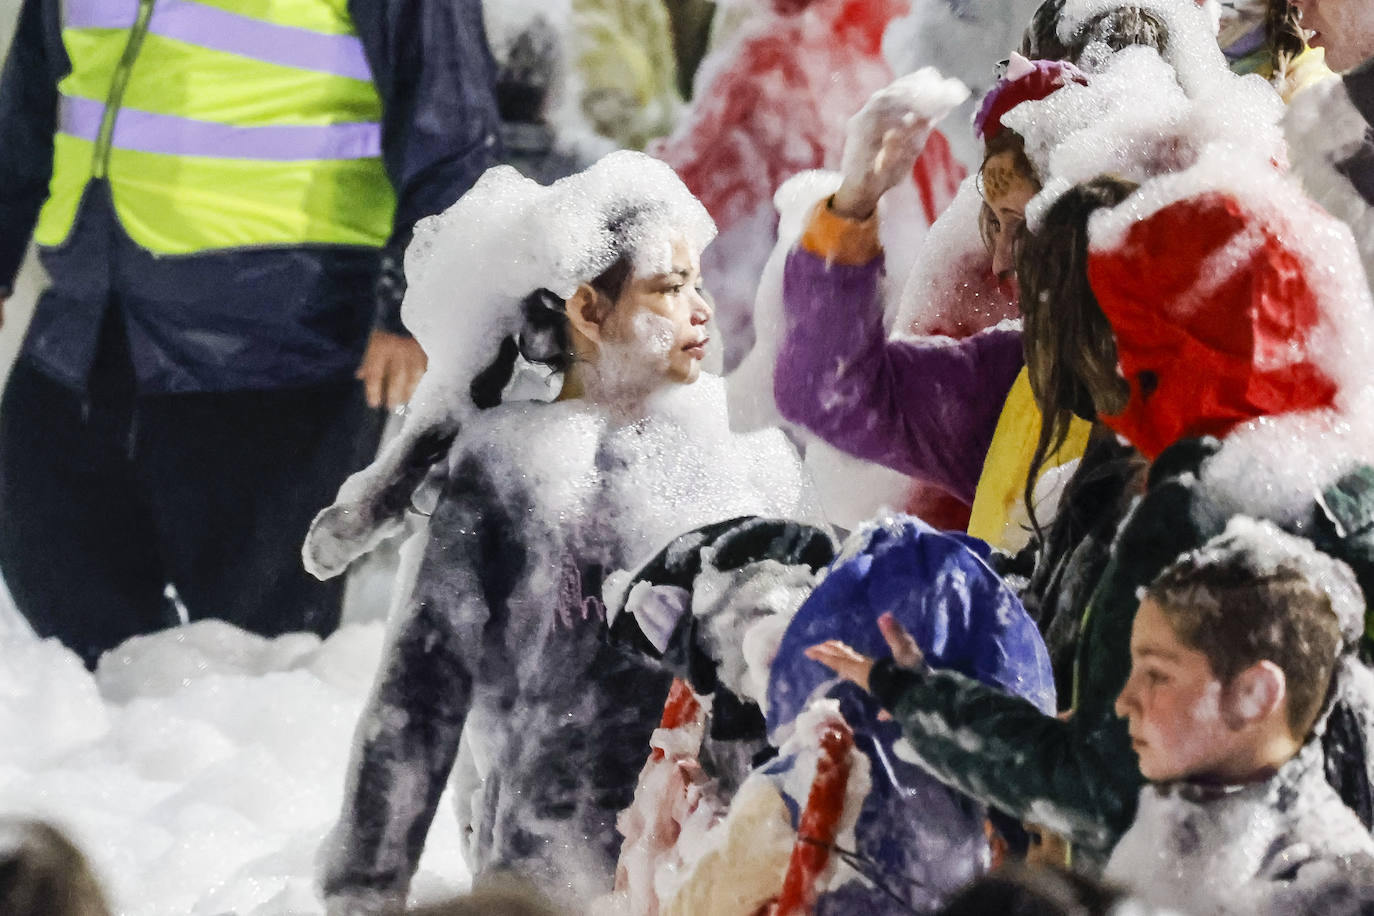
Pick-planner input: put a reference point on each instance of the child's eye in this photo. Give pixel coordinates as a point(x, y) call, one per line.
point(1155, 678)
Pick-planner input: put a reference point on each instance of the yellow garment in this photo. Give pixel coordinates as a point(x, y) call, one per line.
point(1001, 488)
point(1307, 68)
point(623, 51)
point(177, 194)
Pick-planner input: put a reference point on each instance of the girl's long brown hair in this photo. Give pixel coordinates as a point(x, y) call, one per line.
point(1069, 346)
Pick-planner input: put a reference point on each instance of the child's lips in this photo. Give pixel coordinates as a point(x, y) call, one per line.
point(698, 349)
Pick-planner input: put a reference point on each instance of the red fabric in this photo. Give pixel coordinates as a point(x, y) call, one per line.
point(1203, 354)
point(819, 823)
point(1045, 77)
point(937, 175)
point(815, 60)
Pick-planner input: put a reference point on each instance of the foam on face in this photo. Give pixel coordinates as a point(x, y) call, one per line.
point(469, 267)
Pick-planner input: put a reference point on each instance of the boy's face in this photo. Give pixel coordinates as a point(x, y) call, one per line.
point(1173, 701)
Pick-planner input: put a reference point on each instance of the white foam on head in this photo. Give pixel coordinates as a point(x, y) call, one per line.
point(1191, 47)
point(469, 267)
point(1135, 120)
point(1266, 549)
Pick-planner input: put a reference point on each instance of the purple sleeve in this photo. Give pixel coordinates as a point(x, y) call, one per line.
point(926, 409)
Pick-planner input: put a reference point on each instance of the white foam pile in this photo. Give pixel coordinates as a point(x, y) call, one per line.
point(199, 769)
point(1142, 114)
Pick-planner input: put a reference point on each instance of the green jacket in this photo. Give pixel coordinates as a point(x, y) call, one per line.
point(1080, 777)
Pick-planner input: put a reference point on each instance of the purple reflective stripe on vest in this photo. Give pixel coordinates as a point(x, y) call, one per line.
point(155, 133)
point(220, 30)
point(99, 14)
point(210, 27)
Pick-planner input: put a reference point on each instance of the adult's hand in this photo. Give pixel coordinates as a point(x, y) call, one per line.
point(883, 140)
point(391, 368)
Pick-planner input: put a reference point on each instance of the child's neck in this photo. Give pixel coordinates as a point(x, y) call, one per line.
point(1252, 762)
point(623, 397)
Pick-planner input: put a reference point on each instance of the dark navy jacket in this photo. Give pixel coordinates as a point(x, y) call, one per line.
point(267, 317)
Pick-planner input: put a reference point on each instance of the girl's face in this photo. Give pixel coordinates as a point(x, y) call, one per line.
point(1344, 28)
point(1006, 192)
point(657, 328)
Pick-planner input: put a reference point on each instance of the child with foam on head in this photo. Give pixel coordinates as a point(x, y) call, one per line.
point(1234, 654)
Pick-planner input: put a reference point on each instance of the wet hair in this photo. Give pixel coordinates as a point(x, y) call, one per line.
point(545, 337)
point(43, 874)
point(1005, 141)
point(1114, 30)
point(1024, 890)
point(1239, 605)
point(1284, 32)
point(1069, 345)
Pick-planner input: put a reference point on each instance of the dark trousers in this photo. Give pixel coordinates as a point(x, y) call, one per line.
point(107, 499)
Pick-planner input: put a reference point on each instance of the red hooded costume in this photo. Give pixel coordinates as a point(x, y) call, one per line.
point(1213, 314)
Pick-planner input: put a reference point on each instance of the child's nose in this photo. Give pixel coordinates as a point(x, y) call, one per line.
point(1125, 701)
point(701, 309)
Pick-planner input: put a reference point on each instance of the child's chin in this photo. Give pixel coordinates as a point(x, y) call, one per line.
point(1153, 771)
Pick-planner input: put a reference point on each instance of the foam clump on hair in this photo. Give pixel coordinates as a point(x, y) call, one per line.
point(470, 266)
point(1264, 550)
point(1190, 45)
point(1138, 119)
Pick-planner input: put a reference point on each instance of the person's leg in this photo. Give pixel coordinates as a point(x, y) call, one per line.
point(235, 479)
point(77, 546)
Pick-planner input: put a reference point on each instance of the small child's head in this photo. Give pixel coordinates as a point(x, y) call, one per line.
point(43, 874)
point(1232, 654)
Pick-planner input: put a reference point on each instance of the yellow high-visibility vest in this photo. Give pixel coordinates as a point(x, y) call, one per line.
point(220, 124)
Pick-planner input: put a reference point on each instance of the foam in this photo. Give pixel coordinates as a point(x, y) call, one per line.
point(199, 768)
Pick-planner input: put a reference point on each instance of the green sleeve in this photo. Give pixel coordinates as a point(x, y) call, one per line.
point(1077, 778)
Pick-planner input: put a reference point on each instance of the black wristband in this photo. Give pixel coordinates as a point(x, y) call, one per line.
point(888, 681)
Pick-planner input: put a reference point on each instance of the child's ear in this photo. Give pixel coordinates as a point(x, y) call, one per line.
point(1254, 694)
point(586, 309)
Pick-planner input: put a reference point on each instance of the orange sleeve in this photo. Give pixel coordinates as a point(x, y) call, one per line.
point(839, 239)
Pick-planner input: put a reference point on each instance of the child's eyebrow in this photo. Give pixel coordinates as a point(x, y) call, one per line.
point(1155, 652)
